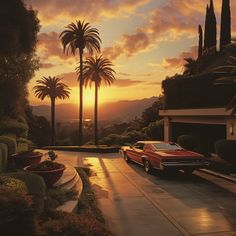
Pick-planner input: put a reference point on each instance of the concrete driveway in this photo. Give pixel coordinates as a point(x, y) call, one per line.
point(137, 204)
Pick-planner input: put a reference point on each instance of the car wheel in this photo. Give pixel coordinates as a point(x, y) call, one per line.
point(127, 159)
point(147, 166)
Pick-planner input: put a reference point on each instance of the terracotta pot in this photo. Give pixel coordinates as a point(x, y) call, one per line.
point(24, 159)
point(50, 176)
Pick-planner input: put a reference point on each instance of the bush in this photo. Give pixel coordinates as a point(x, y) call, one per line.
point(36, 187)
point(58, 196)
point(3, 157)
point(155, 130)
point(13, 126)
point(8, 183)
point(226, 149)
point(187, 141)
point(129, 137)
point(63, 224)
point(17, 217)
point(10, 142)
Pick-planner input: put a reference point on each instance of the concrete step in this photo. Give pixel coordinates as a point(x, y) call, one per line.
point(69, 176)
point(70, 179)
point(72, 205)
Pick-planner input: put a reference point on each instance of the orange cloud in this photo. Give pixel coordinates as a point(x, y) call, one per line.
point(126, 82)
point(54, 10)
point(179, 61)
point(46, 65)
point(49, 45)
point(167, 23)
point(69, 78)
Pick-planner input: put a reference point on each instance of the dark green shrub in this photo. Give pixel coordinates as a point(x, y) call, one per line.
point(10, 142)
point(155, 130)
point(188, 142)
point(17, 216)
point(226, 149)
point(8, 183)
point(18, 127)
point(36, 187)
point(58, 196)
point(3, 157)
point(64, 224)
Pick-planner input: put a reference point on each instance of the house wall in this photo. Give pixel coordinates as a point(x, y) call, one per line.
point(167, 129)
point(211, 116)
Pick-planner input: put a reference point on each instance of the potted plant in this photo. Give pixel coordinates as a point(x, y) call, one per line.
point(50, 170)
point(26, 158)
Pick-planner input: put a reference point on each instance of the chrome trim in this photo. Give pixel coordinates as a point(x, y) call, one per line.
point(172, 164)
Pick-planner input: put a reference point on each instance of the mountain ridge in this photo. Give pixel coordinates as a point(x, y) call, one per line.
point(123, 110)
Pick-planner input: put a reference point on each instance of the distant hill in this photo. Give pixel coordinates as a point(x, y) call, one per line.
point(116, 111)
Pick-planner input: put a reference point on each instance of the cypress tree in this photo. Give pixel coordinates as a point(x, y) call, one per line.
point(206, 32)
point(212, 26)
point(200, 40)
point(225, 33)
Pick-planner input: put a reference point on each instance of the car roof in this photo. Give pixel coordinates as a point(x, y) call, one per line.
point(152, 142)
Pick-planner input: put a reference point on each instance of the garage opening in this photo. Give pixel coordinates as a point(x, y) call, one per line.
point(205, 134)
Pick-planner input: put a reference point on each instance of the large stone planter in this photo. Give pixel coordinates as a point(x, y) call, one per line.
point(24, 159)
point(50, 176)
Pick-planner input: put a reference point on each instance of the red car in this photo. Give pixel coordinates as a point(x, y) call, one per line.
point(163, 156)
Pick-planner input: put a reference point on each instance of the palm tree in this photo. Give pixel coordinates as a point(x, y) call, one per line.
point(97, 70)
point(80, 36)
point(53, 88)
point(227, 75)
point(190, 67)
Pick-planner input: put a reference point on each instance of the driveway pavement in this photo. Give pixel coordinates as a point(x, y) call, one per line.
point(137, 204)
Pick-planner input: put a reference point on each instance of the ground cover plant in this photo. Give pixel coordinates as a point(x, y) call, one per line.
point(18, 209)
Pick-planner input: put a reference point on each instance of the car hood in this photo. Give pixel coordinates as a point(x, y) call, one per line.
point(178, 153)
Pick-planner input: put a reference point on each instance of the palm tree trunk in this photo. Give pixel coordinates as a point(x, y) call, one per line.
point(52, 121)
point(81, 100)
point(96, 115)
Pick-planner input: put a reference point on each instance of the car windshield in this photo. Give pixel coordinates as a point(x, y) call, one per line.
point(167, 146)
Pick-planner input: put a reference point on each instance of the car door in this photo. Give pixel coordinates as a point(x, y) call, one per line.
point(138, 152)
point(149, 153)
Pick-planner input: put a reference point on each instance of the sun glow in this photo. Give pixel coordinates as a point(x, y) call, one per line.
point(104, 96)
point(88, 97)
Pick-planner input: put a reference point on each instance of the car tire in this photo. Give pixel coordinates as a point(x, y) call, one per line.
point(126, 158)
point(147, 166)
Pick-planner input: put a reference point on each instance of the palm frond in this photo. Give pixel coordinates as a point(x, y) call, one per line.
point(51, 87)
point(97, 70)
point(80, 35)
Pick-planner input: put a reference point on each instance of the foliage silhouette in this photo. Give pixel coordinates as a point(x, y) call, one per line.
point(53, 88)
point(230, 80)
point(225, 32)
point(210, 28)
point(18, 36)
point(200, 42)
point(190, 67)
point(80, 36)
point(97, 70)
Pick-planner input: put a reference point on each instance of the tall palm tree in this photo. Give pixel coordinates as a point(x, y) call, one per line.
point(53, 88)
point(97, 70)
point(80, 36)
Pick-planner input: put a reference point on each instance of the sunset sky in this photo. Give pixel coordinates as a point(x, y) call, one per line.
point(145, 39)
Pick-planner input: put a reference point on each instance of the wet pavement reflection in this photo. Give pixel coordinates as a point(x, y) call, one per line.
point(135, 203)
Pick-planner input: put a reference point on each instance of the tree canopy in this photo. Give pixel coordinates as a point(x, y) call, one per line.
point(19, 26)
